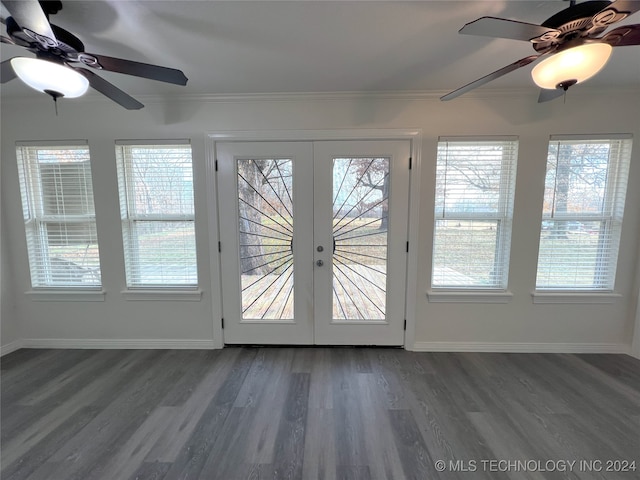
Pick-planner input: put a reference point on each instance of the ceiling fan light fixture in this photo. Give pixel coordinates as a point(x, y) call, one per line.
point(50, 77)
point(571, 66)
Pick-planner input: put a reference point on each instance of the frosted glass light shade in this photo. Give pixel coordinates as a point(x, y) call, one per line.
point(574, 65)
point(48, 77)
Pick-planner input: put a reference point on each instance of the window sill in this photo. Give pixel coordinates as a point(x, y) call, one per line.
point(66, 295)
point(162, 294)
point(575, 297)
point(472, 296)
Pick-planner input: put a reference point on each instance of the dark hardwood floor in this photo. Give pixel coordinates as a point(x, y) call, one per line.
point(317, 413)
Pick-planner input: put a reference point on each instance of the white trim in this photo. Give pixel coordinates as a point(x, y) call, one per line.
point(414, 135)
point(162, 294)
point(153, 143)
point(10, 347)
point(66, 295)
point(215, 269)
point(267, 322)
point(470, 296)
point(596, 137)
point(119, 343)
point(518, 347)
point(575, 297)
point(478, 138)
point(417, 347)
point(411, 283)
point(314, 135)
point(356, 322)
point(52, 143)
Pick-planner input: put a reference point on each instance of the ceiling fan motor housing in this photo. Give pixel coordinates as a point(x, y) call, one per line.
point(577, 22)
point(67, 42)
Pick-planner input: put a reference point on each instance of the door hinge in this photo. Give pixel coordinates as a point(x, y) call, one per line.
point(219, 246)
point(407, 246)
point(409, 163)
point(216, 165)
point(222, 322)
point(405, 324)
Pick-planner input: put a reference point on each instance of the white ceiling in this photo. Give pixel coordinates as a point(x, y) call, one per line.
point(239, 47)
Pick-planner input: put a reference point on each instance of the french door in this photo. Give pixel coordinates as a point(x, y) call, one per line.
point(313, 238)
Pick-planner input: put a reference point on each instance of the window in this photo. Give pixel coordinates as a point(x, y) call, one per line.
point(475, 183)
point(156, 205)
point(585, 188)
point(59, 215)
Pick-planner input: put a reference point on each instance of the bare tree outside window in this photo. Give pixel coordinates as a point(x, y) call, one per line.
point(582, 213)
point(157, 208)
point(265, 216)
point(475, 184)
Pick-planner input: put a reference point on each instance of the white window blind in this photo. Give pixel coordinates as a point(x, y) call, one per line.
point(59, 215)
point(585, 189)
point(156, 205)
point(475, 184)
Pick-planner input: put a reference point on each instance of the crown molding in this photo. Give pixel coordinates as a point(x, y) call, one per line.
point(429, 95)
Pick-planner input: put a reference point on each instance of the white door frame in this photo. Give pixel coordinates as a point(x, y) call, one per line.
point(414, 135)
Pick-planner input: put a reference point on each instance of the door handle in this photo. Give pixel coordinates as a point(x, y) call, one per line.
point(319, 263)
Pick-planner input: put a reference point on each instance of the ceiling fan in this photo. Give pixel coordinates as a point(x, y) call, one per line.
point(57, 68)
point(569, 40)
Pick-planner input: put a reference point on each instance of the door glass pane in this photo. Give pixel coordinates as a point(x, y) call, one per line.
point(265, 212)
point(360, 220)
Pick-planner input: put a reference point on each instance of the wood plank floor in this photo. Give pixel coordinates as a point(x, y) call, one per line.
point(316, 413)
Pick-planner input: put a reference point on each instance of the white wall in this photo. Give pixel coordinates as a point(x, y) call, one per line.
point(635, 346)
point(9, 324)
point(518, 325)
point(635, 351)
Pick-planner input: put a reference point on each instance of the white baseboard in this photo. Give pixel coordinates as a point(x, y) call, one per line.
point(10, 347)
point(118, 343)
point(521, 347)
point(182, 344)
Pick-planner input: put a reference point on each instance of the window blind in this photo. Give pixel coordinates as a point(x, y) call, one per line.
point(58, 208)
point(475, 183)
point(157, 210)
point(585, 190)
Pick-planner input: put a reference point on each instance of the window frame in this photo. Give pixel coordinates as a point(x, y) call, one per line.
point(497, 293)
point(610, 216)
point(149, 291)
point(36, 222)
